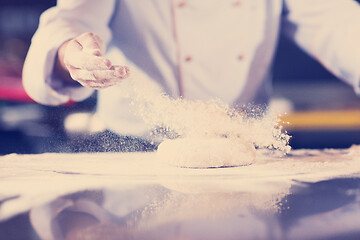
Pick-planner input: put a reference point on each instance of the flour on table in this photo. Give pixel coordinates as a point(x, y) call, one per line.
point(205, 152)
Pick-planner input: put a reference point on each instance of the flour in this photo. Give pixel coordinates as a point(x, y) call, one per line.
point(235, 134)
point(206, 152)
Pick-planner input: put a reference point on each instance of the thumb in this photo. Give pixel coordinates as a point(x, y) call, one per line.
point(92, 44)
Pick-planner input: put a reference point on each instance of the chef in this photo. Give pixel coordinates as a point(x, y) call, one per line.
point(188, 48)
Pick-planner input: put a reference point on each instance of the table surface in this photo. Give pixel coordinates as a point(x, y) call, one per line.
point(308, 194)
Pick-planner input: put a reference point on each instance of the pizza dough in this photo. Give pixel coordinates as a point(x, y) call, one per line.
point(206, 152)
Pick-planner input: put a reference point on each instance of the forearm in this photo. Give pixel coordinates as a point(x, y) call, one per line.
point(44, 79)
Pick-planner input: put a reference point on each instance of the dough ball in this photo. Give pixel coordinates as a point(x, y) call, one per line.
point(206, 153)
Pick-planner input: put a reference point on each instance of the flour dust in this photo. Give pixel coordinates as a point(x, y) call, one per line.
point(182, 118)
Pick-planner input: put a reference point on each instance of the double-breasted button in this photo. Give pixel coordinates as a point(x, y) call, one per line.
point(240, 57)
point(188, 58)
point(237, 4)
point(182, 4)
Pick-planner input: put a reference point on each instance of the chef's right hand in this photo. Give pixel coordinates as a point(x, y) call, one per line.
point(80, 59)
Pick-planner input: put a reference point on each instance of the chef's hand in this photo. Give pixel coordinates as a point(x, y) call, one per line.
point(80, 59)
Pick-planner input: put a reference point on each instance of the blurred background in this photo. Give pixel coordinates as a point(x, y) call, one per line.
point(323, 110)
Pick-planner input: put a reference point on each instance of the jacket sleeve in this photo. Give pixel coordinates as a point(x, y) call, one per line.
point(329, 31)
point(69, 18)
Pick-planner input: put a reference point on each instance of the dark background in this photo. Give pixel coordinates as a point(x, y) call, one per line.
point(27, 127)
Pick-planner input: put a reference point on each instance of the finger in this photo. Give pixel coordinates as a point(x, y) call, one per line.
point(76, 58)
point(100, 43)
point(98, 85)
point(98, 75)
point(122, 70)
point(92, 82)
point(91, 43)
point(97, 79)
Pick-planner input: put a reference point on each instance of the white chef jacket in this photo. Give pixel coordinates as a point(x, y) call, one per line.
point(200, 49)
